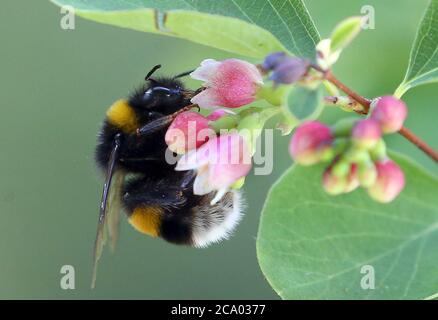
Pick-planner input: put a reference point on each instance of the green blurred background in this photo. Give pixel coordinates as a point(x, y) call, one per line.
point(55, 86)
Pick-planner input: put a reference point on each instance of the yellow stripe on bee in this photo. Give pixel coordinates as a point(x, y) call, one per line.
point(121, 115)
point(146, 220)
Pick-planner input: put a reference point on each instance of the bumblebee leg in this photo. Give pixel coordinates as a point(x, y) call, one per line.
point(143, 159)
point(168, 192)
point(161, 123)
point(188, 179)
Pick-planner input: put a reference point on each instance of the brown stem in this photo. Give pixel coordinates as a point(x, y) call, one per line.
point(345, 102)
point(405, 132)
point(363, 101)
point(408, 134)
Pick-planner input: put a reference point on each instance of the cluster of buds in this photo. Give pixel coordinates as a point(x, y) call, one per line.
point(355, 151)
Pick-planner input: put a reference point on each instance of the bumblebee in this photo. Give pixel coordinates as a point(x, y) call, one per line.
point(157, 200)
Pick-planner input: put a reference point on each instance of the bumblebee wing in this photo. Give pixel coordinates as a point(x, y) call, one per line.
point(115, 207)
point(100, 235)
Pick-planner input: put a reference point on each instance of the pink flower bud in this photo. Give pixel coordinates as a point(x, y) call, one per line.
point(366, 133)
point(230, 83)
point(188, 131)
point(390, 113)
point(352, 179)
point(367, 173)
point(340, 168)
point(333, 184)
point(389, 183)
point(219, 163)
point(290, 70)
point(309, 142)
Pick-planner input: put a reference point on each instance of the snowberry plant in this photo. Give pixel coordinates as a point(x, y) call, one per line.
point(348, 205)
point(353, 150)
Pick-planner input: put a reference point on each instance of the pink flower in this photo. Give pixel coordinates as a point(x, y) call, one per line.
point(389, 183)
point(366, 133)
point(230, 83)
point(219, 163)
point(390, 113)
point(309, 142)
point(188, 131)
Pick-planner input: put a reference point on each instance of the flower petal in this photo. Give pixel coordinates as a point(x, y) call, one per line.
point(241, 69)
point(187, 162)
point(202, 185)
point(196, 158)
point(219, 162)
point(236, 83)
point(207, 99)
point(187, 132)
point(206, 71)
point(232, 161)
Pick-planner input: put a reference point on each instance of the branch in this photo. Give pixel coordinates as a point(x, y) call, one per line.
point(345, 102)
point(363, 101)
point(408, 134)
point(405, 132)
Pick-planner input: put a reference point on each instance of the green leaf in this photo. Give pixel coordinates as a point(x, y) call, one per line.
point(423, 64)
point(345, 32)
point(304, 103)
point(313, 246)
point(251, 28)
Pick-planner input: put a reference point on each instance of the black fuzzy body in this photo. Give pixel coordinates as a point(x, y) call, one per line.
point(142, 154)
point(155, 183)
point(174, 196)
point(152, 182)
point(137, 155)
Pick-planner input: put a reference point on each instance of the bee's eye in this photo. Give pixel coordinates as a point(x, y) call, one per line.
point(161, 91)
point(147, 95)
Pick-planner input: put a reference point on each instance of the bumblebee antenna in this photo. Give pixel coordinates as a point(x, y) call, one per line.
point(184, 74)
point(150, 73)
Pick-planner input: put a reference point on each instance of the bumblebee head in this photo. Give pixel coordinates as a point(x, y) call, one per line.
point(161, 96)
point(164, 96)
